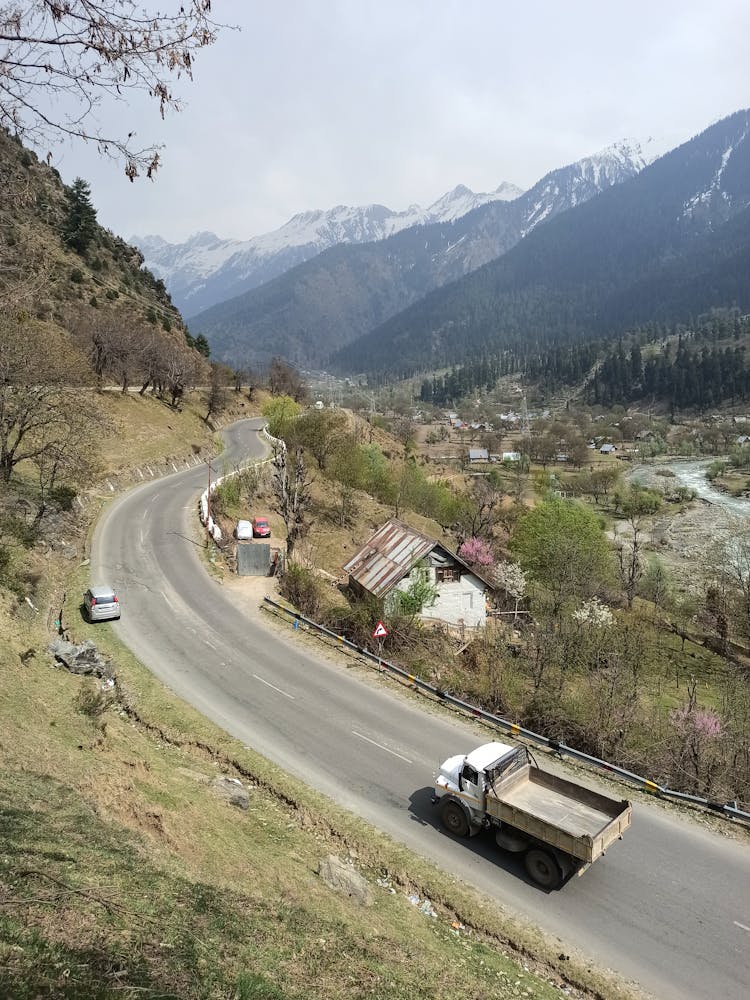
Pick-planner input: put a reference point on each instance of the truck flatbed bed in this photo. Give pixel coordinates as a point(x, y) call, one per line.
point(574, 817)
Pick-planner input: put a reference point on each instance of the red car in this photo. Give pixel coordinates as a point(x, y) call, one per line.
point(261, 527)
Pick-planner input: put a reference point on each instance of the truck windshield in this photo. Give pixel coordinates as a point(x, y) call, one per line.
point(507, 765)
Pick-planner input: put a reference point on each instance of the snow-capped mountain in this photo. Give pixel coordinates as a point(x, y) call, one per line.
point(326, 302)
point(488, 232)
point(206, 269)
point(579, 181)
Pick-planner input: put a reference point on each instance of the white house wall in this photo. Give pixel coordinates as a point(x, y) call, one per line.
point(457, 601)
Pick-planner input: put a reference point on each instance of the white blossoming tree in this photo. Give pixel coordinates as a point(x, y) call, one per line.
point(512, 579)
point(594, 613)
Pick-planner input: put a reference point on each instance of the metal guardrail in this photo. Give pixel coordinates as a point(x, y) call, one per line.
point(728, 809)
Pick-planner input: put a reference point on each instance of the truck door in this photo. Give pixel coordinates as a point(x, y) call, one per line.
point(471, 783)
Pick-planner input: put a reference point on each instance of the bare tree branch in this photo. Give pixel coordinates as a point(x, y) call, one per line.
point(75, 53)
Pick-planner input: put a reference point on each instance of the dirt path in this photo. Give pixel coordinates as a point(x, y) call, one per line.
point(247, 592)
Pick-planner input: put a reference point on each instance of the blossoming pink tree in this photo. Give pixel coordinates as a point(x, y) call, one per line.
point(477, 552)
point(697, 744)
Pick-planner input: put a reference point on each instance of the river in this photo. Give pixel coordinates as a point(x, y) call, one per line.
point(687, 537)
point(692, 473)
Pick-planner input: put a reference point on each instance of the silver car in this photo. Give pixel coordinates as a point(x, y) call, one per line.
point(101, 604)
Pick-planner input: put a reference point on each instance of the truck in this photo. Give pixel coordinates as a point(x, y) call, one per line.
point(560, 826)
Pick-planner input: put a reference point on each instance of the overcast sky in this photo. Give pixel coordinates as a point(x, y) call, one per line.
point(316, 104)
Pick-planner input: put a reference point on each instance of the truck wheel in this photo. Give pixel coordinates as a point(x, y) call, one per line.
point(567, 867)
point(454, 819)
point(542, 868)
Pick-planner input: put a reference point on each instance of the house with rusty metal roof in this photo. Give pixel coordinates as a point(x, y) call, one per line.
point(396, 556)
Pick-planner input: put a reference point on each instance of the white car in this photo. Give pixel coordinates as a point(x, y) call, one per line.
point(243, 531)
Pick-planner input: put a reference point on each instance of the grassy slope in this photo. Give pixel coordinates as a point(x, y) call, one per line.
point(122, 875)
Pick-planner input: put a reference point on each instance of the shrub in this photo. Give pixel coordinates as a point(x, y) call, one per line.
point(5, 565)
point(93, 301)
point(63, 496)
point(303, 589)
point(234, 490)
point(419, 595)
point(281, 412)
point(92, 700)
point(355, 621)
point(378, 479)
point(76, 276)
point(112, 294)
point(20, 529)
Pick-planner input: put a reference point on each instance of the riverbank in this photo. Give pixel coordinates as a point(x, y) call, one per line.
point(685, 540)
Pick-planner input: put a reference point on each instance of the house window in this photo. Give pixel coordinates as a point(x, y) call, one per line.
point(446, 574)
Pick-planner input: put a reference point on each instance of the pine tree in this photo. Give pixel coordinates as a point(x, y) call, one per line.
point(79, 227)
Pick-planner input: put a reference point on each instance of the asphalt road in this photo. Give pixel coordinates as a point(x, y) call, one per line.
point(668, 907)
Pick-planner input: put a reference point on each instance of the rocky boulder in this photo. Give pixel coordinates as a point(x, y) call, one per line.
point(343, 877)
point(232, 791)
point(82, 659)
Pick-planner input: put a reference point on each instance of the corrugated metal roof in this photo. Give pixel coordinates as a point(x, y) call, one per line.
point(388, 556)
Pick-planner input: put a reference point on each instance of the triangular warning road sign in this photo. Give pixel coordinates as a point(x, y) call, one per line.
point(380, 631)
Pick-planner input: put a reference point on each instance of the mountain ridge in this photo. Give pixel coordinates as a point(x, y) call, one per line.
point(320, 305)
point(670, 240)
point(199, 271)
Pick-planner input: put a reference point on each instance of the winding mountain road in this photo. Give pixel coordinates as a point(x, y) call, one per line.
point(668, 907)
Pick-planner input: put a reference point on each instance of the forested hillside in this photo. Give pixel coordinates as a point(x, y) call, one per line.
point(703, 367)
point(670, 242)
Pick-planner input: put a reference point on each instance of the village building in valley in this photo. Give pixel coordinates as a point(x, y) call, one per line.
point(396, 555)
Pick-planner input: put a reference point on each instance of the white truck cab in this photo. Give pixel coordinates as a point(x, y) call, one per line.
point(464, 774)
point(463, 777)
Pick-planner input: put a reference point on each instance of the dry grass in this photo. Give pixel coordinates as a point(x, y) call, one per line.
point(143, 429)
point(736, 483)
